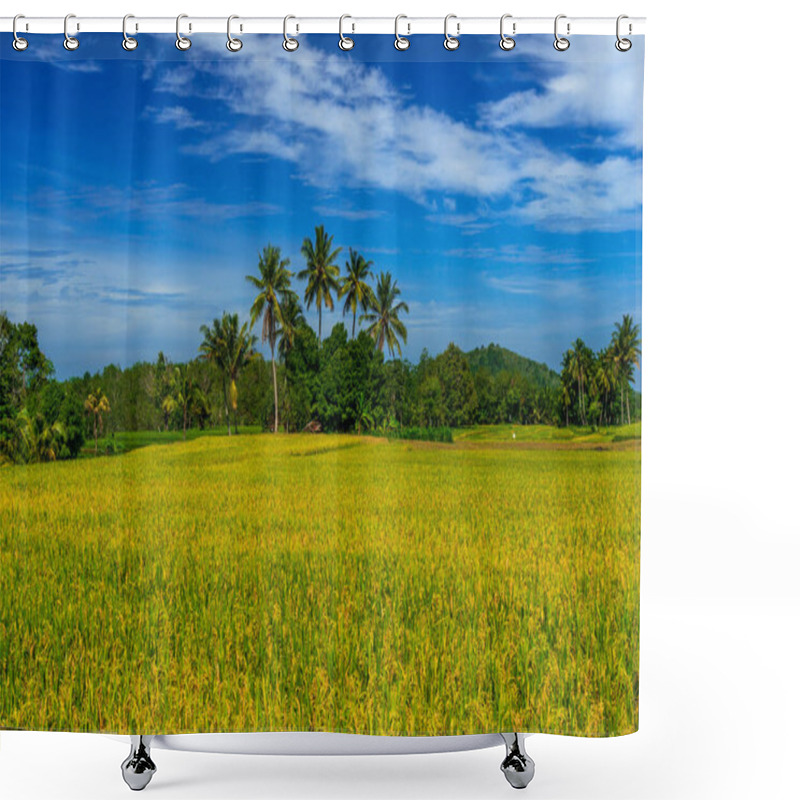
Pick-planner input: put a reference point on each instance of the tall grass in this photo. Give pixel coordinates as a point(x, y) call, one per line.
point(366, 587)
point(441, 434)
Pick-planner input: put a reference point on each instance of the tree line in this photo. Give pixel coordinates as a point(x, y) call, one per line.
point(342, 382)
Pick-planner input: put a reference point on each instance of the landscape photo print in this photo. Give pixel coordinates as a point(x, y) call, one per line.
point(320, 386)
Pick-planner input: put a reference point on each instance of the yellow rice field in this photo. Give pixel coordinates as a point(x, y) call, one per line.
point(339, 583)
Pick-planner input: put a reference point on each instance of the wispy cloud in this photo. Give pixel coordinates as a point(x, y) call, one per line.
point(150, 200)
point(346, 124)
point(349, 213)
point(517, 254)
point(548, 287)
point(178, 116)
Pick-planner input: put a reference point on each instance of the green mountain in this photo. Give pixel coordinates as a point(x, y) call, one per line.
point(496, 359)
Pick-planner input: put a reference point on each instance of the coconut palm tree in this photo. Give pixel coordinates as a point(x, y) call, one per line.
point(626, 347)
point(384, 316)
point(355, 289)
point(96, 404)
point(578, 365)
point(603, 380)
point(274, 284)
point(291, 319)
point(321, 272)
point(362, 413)
point(184, 393)
point(229, 347)
point(34, 440)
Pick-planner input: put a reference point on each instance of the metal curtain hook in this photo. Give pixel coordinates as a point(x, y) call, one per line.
point(127, 42)
point(507, 42)
point(623, 45)
point(289, 44)
point(561, 43)
point(181, 42)
point(233, 44)
point(451, 42)
point(19, 44)
point(400, 42)
point(345, 42)
point(70, 42)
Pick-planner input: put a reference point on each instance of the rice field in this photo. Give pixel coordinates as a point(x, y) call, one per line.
point(339, 583)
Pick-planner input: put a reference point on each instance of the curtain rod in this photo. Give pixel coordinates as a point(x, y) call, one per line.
point(350, 25)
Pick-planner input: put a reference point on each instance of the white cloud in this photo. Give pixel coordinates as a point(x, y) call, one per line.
point(346, 124)
point(178, 116)
point(606, 95)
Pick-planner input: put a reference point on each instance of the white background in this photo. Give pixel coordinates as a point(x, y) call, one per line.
point(720, 546)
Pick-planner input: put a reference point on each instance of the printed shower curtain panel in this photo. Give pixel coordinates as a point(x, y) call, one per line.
point(320, 386)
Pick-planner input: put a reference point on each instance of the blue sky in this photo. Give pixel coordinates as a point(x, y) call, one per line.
point(501, 189)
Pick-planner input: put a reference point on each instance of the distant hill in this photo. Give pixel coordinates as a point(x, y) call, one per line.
point(496, 359)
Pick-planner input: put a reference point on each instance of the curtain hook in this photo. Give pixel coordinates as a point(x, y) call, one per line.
point(19, 44)
point(561, 43)
point(289, 44)
point(451, 42)
point(181, 42)
point(506, 42)
point(233, 44)
point(623, 45)
point(345, 42)
point(128, 43)
point(400, 42)
point(70, 42)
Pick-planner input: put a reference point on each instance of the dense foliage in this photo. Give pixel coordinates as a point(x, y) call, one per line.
point(342, 383)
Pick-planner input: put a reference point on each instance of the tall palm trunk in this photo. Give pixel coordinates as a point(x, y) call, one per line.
point(354, 325)
point(225, 403)
point(275, 387)
point(319, 335)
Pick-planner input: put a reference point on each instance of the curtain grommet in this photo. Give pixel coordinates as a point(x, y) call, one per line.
point(233, 44)
point(401, 42)
point(507, 42)
point(18, 43)
point(451, 43)
point(181, 42)
point(128, 42)
point(345, 42)
point(70, 42)
point(290, 44)
point(561, 43)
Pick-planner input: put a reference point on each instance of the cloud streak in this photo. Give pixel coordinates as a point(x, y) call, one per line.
point(348, 125)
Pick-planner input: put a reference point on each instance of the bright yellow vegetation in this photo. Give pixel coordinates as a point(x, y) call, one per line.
point(338, 583)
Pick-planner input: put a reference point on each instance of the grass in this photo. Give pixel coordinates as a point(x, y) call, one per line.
point(367, 587)
point(550, 433)
point(125, 441)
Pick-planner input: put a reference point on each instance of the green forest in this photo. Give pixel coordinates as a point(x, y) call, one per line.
point(275, 371)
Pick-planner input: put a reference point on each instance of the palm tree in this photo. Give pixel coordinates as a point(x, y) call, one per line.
point(96, 404)
point(626, 347)
point(363, 413)
point(35, 440)
point(355, 289)
point(320, 272)
point(274, 286)
point(603, 379)
point(291, 320)
point(229, 347)
point(578, 365)
point(384, 317)
point(184, 393)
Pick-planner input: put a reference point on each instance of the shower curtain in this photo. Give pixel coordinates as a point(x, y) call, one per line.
point(320, 385)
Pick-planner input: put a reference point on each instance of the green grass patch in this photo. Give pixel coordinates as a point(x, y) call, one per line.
point(220, 585)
